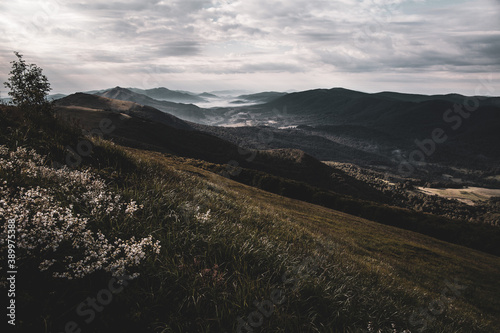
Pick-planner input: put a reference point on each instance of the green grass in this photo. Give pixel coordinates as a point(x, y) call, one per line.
point(210, 271)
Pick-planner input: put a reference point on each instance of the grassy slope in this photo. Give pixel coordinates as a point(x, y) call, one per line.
point(210, 271)
point(399, 257)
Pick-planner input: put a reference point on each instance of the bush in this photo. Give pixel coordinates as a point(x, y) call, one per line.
point(28, 86)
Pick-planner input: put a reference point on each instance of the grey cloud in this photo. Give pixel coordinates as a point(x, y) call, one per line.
point(434, 41)
point(484, 49)
point(116, 5)
point(177, 48)
point(240, 27)
point(311, 36)
point(270, 67)
point(125, 29)
point(424, 61)
point(158, 69)
point(294, 36)
point(103, 56)
point(492, 52)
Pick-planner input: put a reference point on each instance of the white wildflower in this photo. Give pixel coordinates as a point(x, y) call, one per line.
point(203, 218)
point(43, 224)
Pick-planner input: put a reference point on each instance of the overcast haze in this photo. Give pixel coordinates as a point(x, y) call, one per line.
point(408, 46)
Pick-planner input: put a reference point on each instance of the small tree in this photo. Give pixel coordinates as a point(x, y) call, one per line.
point(28, 86)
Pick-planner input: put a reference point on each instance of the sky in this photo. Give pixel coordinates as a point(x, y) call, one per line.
point(413, 46)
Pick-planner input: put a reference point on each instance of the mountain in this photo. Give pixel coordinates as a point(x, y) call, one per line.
point(165, 94)
point(455, 98)
point(290, 171)
point(263, 97)
point(188, 112)
point(53, 97)
point(375, 123)
point(209, 95)
point(346, 144)
point(381, 111)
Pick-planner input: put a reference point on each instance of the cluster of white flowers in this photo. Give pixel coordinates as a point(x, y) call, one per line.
point(81, 186)
point(203, 217)
point(51, 231)
point(132, 208)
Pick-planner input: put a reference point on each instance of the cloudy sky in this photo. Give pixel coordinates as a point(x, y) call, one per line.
point(203, 45)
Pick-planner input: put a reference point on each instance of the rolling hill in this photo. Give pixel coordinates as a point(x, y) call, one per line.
point(80, 103)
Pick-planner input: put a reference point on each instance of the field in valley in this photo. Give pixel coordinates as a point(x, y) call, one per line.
point(469, 195)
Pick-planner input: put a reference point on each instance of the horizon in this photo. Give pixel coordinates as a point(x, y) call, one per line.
point(234, 93)
point(411, 46)
point(239, 92)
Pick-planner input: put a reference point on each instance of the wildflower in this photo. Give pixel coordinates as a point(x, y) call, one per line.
point(131, 208)
point(43, 223)
point(203, 218)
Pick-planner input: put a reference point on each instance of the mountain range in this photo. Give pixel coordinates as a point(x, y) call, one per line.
point(347, 126)
point(381, 124)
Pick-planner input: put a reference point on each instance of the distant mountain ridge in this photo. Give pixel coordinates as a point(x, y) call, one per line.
point(263, 97)
point(373, 125)
point(209, 95)
point(392, 113)
point(165, 94)
point(187, 112)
